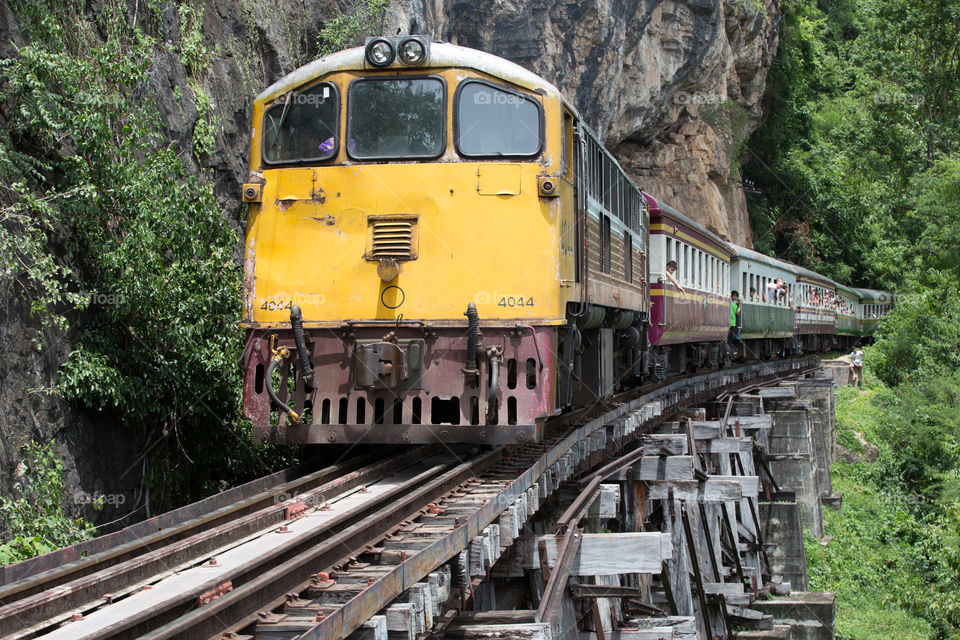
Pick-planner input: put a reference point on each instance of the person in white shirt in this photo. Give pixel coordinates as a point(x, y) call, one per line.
point(856, 365)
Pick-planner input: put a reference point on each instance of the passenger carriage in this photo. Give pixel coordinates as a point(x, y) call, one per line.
point(438, 248)
point(873, 305)
point(847, 324)
point(767, 317)
point(815, 315)
point(689, 327)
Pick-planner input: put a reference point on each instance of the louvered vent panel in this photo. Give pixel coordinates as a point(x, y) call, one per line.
point(393, 239)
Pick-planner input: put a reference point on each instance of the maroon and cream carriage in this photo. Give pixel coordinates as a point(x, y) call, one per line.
point(689, 323)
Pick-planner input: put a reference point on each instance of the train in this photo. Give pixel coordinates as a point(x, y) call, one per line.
point(438, 248)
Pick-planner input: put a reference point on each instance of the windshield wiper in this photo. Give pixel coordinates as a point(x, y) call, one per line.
point(283, 118)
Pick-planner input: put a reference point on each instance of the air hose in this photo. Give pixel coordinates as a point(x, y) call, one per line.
point(296, 321)
point(473, 324)
point(279, 355)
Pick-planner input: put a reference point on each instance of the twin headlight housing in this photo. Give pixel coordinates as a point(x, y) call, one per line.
point(410, 51)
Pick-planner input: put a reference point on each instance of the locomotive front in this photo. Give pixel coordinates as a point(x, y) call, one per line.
point(407, 256)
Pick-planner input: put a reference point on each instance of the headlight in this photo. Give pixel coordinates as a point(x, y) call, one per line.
point(412, 52)
point(380, 53)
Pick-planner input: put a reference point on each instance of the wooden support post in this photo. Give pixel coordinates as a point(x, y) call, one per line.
point(692, 550)
point(707, 534)
point(734, 540)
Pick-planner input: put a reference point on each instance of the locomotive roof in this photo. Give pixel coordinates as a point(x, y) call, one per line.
point(656, 206)
point(442, 54)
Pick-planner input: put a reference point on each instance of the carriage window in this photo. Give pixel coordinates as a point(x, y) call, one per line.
point(395, 118)
point(494, 122)
point(685, 267)
point(302, 126)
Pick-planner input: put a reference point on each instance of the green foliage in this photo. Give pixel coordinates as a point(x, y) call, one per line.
point(33, 521)
point(894, 560)
point(108, 229)
point(863, 119)
point(348, 29)
point(193, 53)
point(195, 57)
point(204, 131)
point(920, 337)
point(860, 179)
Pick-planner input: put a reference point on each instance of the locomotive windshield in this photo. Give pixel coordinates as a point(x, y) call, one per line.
point(395, 118)
point(302, 126)
point(494, 122)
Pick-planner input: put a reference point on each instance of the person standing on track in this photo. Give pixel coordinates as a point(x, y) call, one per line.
point(856, 365)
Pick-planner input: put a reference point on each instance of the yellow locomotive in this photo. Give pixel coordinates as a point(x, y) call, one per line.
point(437, 247)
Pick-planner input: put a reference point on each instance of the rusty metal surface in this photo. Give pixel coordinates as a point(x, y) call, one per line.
point(553, 591)
point(358, 369)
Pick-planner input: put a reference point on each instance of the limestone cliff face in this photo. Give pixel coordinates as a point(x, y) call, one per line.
point(672, 87)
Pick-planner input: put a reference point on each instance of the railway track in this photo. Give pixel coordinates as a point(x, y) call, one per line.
point(424, 524)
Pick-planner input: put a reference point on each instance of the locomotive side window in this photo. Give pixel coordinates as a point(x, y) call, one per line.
point(605, 246)
point(495, 122)
point(302, 126)
point(395, 118)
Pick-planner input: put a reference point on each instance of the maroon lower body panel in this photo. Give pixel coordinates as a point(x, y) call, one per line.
point(383, 384)
point(697, 316)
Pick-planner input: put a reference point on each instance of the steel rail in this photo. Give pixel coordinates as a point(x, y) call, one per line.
point(260, 591)
point(113, 579)
point(43, 572)
point(293, 552)
point(174, 551)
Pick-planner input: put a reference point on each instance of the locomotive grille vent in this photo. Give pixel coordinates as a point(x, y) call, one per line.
point(392, 237)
